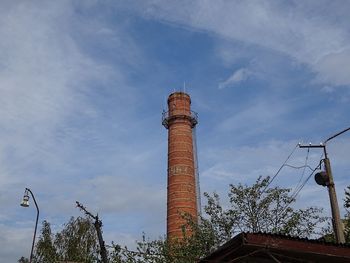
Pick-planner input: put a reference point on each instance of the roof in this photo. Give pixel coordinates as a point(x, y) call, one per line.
point(264, 247)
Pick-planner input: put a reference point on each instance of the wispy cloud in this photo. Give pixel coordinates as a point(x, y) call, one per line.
point(47, 80)
point(262, 115)
point(237, 76)
point(296, 29)
point(333, 68)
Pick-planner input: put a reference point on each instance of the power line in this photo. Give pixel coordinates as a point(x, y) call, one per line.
point(298, 167)
point(280, 169)
point(335, 135)
point(296, 192)
point(306, 180)
point(298, 187)
point(303, 173)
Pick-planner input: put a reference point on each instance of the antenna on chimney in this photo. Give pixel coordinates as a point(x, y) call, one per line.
point(164, 103)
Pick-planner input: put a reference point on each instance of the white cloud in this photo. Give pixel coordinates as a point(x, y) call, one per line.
point(46, 80)
point(328, 89)
point(300, 30)
point(238, 76)
point(334, 68)
point(255, 118)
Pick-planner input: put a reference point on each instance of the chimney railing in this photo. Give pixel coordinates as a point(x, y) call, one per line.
point(167, 117)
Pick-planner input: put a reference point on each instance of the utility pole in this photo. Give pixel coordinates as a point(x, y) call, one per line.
point(326, 179)
point(98, 225)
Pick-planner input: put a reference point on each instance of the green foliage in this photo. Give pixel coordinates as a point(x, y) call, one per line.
point(157, 251)
point(256, 208)
point(346, 220)
point(45, 250)
point(329, 236)
point(347, 199)
point(76, 242)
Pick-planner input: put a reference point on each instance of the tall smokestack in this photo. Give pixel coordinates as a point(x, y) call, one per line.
point(180, 120)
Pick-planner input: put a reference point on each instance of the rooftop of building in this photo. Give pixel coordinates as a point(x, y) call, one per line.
point(266, 247)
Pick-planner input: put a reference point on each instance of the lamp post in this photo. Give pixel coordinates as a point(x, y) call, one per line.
point(326, 179)
point(25, 203)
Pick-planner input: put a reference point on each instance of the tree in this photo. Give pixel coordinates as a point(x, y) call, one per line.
point(256, 208)
point(46, 252)
point(329, 235)
point(347, 215)
point(76, 242)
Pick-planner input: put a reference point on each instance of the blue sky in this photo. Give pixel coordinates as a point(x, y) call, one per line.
point(83, 85)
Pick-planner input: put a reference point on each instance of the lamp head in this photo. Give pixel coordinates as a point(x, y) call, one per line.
point(25, 201)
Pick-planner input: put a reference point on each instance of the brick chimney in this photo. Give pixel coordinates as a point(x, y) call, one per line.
point(180, 120)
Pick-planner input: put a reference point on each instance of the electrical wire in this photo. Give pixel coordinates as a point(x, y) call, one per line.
point(299, 186)
point(335, 135)
point(280, 169)
point(298, 167)
point(297, 190)
point(303, 173)
point(304, 183)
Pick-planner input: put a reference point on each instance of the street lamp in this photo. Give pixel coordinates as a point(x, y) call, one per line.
point(25, 203)
point(325, 178)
